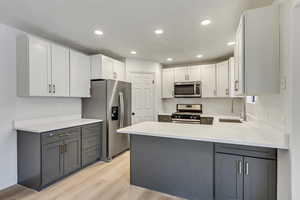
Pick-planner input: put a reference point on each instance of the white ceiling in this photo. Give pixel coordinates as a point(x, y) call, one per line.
point(130, 24)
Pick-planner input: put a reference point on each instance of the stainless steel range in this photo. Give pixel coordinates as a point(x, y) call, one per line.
point(190, 113)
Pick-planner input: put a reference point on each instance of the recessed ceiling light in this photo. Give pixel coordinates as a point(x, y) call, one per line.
point(169, 59)
point(205, 22)
point(231, 43)
point(159, 31)
point(133, 52)
point(199, 56)
point(98, 32)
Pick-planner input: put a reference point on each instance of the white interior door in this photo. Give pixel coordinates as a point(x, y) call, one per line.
point(142, 97)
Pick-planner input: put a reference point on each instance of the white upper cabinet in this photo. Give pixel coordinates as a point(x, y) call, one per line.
point(79, 74)
point(168, 83)
point(119, 71)
point(184, 74)
point(194, 73)
point(208, 80)
point(222, 79)
point(43, 69)
point(33, 66)
point(181, 74)
point(103, 67)
point(60, 70)
point(257, 52)
point(107, 68)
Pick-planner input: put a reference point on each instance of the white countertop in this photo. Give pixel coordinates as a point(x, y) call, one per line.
point(247, 133)
point(41, 127)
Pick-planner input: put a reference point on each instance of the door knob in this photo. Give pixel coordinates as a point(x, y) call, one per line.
point(133, 113)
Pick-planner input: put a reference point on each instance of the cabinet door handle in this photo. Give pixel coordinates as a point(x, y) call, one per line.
point(236, 85)
point(247, 168)
point(240, 170)
point(50, 88)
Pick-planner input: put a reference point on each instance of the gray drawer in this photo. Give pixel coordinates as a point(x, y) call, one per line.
point(91, 129)
point(90, 155)
point(90, 141)
point(62, 134)
point(257, 152)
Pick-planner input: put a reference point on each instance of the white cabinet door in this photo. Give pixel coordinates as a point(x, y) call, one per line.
point(194, 73)
point(231, 76)
point(119, 71)
point(79, 74)
point(60, 70)
point(168, 83)
point(222, 78)
point(208, 80)
point(39, 67)
point(96, 66)
point(107, 68)
point(239, 60)
point(181, 74)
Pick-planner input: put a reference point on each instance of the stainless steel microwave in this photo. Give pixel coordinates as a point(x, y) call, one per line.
point(188, 89)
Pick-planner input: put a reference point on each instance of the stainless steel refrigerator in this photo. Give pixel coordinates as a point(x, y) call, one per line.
point(110, 101)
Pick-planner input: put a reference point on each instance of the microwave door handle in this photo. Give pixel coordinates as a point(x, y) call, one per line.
point(121, 100)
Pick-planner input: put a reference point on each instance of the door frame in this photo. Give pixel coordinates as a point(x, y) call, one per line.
point(153, 85)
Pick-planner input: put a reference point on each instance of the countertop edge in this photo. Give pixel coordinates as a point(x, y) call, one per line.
point(225, 141)
point(68, 124)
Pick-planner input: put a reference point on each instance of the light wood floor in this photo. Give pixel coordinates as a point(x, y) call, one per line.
point(101, 181)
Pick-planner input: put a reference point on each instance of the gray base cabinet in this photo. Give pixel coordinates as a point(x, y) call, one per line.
point(52, 162)
point(241, 177)
point(260, 179)
point(228, 177)
point(91, 143)
point(47, 157)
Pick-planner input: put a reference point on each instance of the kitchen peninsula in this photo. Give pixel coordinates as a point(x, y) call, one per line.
point(193, 161)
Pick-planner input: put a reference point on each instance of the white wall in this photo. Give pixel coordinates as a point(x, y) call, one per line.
point(212, 106)
point(13, 107)
point(143, 66)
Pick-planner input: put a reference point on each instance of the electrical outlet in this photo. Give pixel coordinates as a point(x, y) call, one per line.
point(283, 83)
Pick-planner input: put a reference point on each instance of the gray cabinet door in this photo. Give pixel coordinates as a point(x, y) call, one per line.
point(228, 177)
point(52, 162)
point(72, 154)
point(259, 179)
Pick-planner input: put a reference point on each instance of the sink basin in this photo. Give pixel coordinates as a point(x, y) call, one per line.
point(230, 120)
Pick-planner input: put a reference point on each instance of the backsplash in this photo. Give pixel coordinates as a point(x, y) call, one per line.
point(212, 106)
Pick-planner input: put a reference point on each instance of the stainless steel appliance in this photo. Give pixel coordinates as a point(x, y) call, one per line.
point(110, 101)
point(188, 89)
point(190, 113)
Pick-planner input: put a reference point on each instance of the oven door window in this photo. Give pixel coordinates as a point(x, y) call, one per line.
point(184, 90)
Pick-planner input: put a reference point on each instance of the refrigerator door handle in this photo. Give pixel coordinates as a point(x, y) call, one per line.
point(122, 111)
